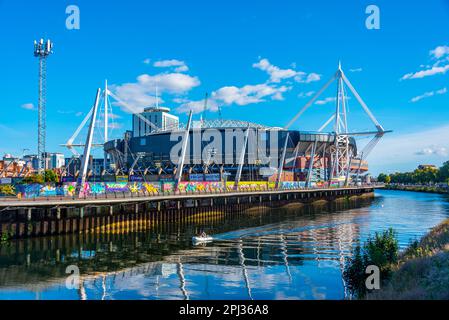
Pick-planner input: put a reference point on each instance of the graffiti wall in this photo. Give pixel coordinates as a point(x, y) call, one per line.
point(100, 188)
point(151, 187)
point(200, 186)
point(252, 185)
point(168, 186)
point(290, 185)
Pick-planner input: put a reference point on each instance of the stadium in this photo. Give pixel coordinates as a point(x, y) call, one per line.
point(216, 148)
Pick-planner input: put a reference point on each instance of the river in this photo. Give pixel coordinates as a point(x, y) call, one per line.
point(289, 253)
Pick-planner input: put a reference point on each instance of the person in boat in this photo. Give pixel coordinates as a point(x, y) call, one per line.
point(202, 235)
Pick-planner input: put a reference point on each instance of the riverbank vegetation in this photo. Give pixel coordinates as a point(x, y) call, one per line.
point(419, 188)
point(422, 175)
point(419, 272)
point(380, 251)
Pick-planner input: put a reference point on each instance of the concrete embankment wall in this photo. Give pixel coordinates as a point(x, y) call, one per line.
point(28, 219)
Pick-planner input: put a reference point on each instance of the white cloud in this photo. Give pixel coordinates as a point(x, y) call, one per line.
point(312, 77)
point(241, 96)
point(169, 82)
point(440, 52)
point(326, 101)
point(142, 93)
point(198, 106)
point(135, 95)
point(429, 94)
point(28, 106)
point(182, 69)
point(168, 63)
point(306, 94)
point(277, 74)
point(405, 151)
point(432, 150)
point(356, 70)
point(248, 94)
point(147, 61)
point(426, 73)
point(180, 66)
point(303, 77)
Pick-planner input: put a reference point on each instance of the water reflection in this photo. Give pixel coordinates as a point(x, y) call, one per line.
point(290, 253)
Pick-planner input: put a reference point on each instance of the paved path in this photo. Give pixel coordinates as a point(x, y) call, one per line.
point(127, 198)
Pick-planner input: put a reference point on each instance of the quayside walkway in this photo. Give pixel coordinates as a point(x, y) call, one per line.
point(123, 198)
point(20, 218)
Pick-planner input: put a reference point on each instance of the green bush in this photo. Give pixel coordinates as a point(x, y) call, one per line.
point(381, 251)
point(37, 178)
point(48, 176)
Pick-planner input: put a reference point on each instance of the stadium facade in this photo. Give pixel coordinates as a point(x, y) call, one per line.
point(151, 150)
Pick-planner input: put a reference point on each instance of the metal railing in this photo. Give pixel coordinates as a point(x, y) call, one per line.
point(145, 194)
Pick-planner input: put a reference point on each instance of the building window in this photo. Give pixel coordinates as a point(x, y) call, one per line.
point(143, 142)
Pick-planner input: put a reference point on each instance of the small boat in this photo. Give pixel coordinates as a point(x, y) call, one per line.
point(202, 239)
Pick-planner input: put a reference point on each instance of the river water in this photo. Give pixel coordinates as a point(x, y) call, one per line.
point(289, 253)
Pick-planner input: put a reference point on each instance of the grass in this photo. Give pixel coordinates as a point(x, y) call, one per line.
point(422, 272)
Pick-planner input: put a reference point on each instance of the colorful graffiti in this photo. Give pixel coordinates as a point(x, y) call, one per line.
point(91, 189)
point(116, 187)
point(38, 190)
point(151, 188)
point(29, 191)
point(100, 188)
point(251, 185)
point(168, 186)
point(70, 189)
point(291, 185)
point(200, 186)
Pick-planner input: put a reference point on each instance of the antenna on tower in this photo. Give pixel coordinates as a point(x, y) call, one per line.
point(42, 50)
point(157, 97)
point(203, 115)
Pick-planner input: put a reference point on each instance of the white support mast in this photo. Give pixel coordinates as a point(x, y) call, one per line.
point(281, 164)
point(241, 160)
point(311, 163)
point(181, 159)
point(106, 122)
point(88, 147)
point(340, 152)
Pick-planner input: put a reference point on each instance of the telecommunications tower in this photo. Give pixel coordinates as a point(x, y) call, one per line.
point(42, 50)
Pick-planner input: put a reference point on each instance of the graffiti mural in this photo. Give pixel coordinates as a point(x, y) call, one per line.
point(116, 187)
point(29, 191)
point(251, 185)
point(70, 189)
point(200, 186)
point(134, 187)
point(168, 186)
point(89, 189)
point(290, 185)
point(151, 188)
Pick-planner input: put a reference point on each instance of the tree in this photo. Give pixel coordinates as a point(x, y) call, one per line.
point(443, 173)
point(50, 176)
point(387, 179)
point(36, 178)
point(382, 178)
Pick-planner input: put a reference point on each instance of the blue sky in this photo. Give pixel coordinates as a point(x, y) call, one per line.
point(259, 60)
